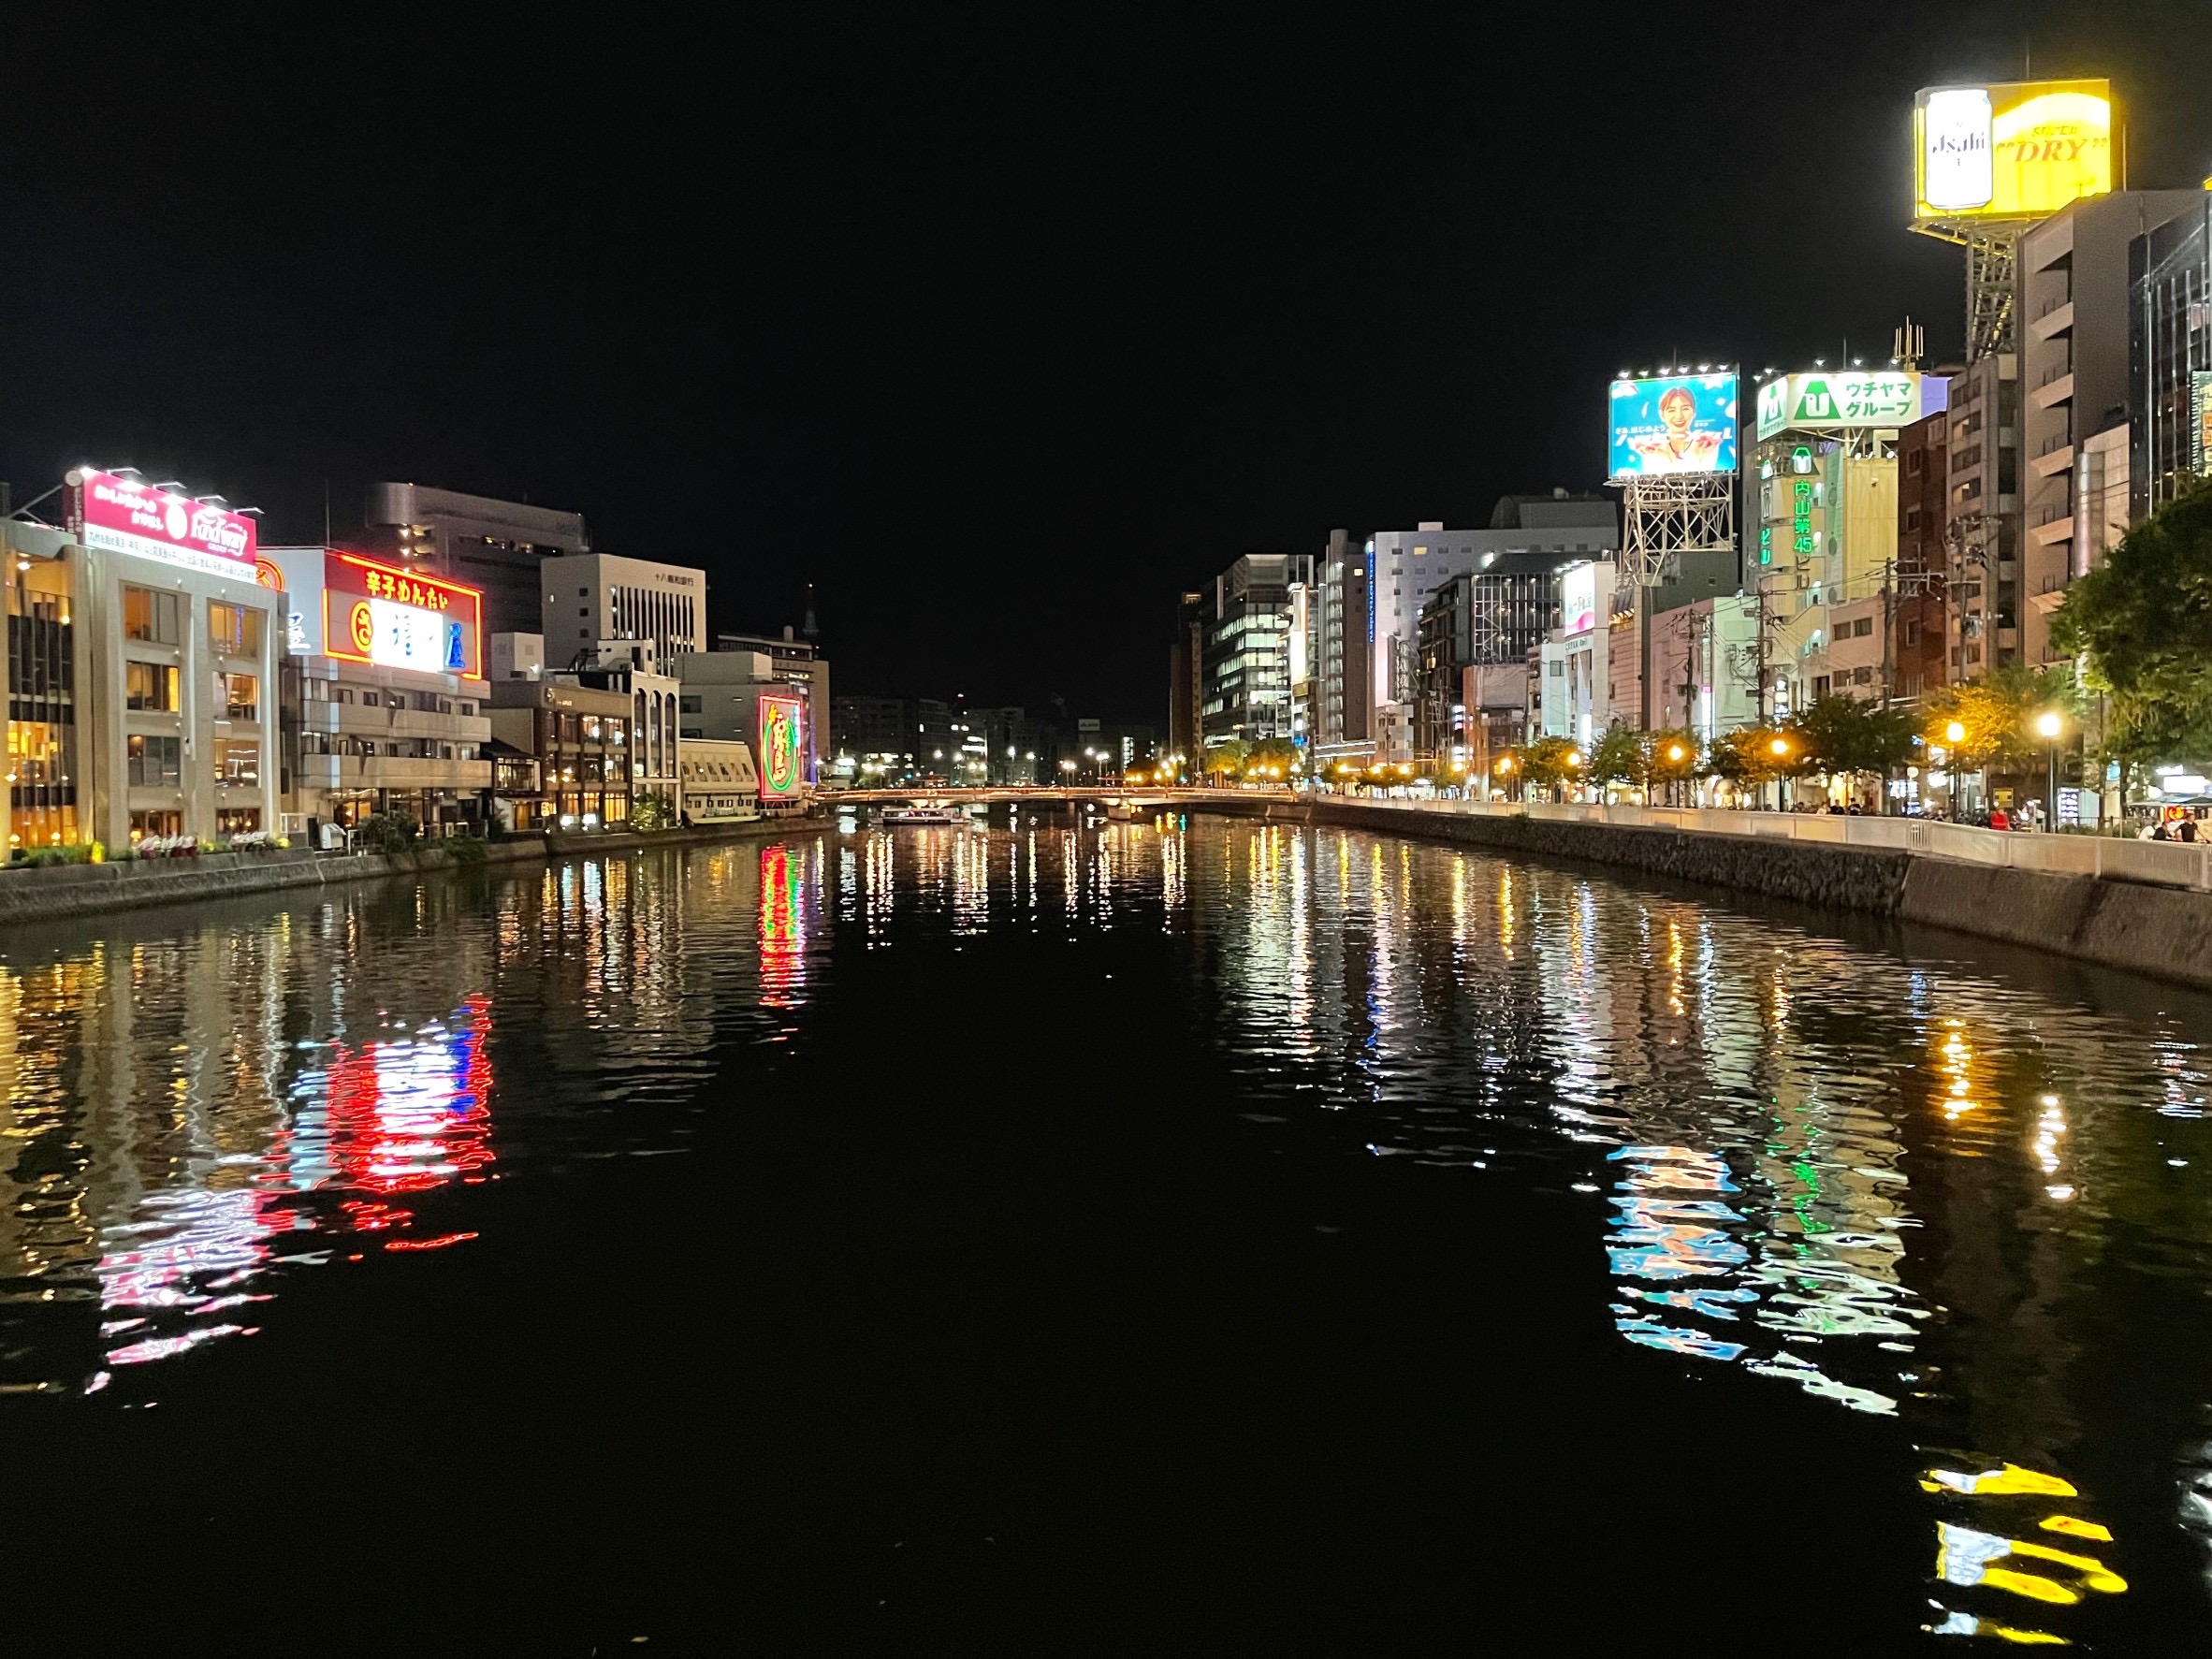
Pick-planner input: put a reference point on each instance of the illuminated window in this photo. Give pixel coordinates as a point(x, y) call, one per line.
point(238, 762)
point(153, 616)
point(149, 686)
point(233, 630)
point(241, 696)
point(164, 822)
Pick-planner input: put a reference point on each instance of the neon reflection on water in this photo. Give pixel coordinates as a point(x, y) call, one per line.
point(398, 1115)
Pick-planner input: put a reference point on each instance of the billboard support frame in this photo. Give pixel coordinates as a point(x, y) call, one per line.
point(1992, 263)
point(1663, 517)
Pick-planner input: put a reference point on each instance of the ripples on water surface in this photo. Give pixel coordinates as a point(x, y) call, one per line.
point(1935, 1225)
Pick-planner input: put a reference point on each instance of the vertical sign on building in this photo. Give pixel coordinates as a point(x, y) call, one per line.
point(782, 746)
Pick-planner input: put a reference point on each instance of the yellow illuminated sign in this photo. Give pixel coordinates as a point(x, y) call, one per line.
point(2017, 149)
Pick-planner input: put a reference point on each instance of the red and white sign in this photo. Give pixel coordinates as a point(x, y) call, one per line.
point(123, 516)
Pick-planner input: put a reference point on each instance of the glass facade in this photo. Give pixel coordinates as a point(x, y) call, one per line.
point(41, 707)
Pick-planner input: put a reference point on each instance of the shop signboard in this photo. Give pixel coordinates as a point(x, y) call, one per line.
point(783, 747)
point(1823, 401)
point(116, 514)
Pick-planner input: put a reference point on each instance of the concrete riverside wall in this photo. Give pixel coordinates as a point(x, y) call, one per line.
point(2163, 931)
point(63, 891)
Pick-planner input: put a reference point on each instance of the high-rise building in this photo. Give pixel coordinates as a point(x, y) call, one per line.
point(1344, 621)
point(2169, 357)
point(1186, 657)
point(2075, 311)
point(493, 546)
point(1406, 567)
point(1246, 682)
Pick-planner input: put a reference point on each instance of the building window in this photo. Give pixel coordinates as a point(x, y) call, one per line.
point(233, 630)
point(241, 697)
point(1864, 626)
point(154, 762)
point(149, 686)
point(238, 762)
point(165, 821)
point(237, 821)
point(153, 616)
point(371, 699)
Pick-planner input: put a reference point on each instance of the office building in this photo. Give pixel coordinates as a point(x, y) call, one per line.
point(490, 546)
point(1920, 632)
point(1186, 674)
point(590, 597)
point(383, 695)
point(2074, 304)
point(1344, 620)
point(631, 668)
point(2169, 357)
point(1246, 658)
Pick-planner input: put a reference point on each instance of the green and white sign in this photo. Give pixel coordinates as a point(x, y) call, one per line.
point(1886, 398)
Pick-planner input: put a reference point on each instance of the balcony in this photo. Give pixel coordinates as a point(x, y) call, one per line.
point(354, 720)
point(2052, 321)
point(2058, 390)
point(2052, 531)
point(2055, 458)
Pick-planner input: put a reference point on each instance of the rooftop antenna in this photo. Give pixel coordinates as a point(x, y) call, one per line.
point(808, 627)
point(1910, 342)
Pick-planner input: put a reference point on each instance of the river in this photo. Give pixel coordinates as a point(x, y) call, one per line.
point(1054, 1235)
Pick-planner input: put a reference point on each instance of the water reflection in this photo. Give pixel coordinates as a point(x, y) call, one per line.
point(1905, 1188)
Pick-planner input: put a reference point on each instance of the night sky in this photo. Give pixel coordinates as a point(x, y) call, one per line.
point(999, 332)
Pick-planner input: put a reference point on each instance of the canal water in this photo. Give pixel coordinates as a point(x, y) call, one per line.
point(1105, 1237)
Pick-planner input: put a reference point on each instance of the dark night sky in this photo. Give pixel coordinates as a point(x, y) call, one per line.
point(998, 331)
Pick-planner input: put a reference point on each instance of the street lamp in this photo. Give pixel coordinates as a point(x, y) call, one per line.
point(2048, 726)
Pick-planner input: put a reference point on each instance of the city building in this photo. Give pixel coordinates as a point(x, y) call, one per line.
point(631, 667)
point(1982, 517)
point(1704, 666)
point(561, 755)
point(2075, 306)
point(1406, 567)
point(142, 670)
point(719, 784)
point(475, 542)
point(1343, 620)
point(1245, 686)
point(751, 698)
point(2169, 357)
point(876, 726)
point(1919, 633)
point(799, 661)
point(588, 597)
point(383, 692)
point(1823, 506)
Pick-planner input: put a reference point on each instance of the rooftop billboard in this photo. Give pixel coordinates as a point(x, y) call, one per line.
point(2011, 150)
point(359, 610)
point(1851, 397)
point(1674, 424)
point(118, 514)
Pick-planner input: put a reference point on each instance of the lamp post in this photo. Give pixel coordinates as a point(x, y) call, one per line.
point(1954, 734)
point(2048, 726)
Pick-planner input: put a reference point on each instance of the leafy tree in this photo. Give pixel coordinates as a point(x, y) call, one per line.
point(2142, 622)
point(384, 832)
point(1544, 763)
point(1671, 757)
point(1997, 711)
point(652, 811)
point(1226, 760)
point(1271, 755)
point(1843, 735)
point(1618, 756)
point(1748, 756)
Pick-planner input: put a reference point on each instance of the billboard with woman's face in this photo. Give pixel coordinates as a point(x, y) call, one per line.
point(1677, 423)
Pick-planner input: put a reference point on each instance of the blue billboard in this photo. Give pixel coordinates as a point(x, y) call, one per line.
point(1674, 424)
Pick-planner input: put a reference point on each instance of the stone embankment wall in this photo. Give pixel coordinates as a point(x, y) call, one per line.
point(2161, 931)
point(65, 891)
